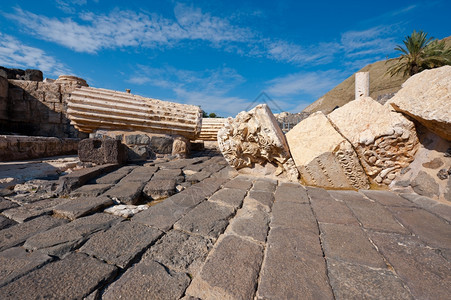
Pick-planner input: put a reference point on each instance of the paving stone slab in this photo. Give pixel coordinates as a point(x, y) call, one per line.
point(294, 215)
point(231, 197)
point(198, 176)
point(73, 277)
point(371, 214)
point(294, 267)
point(180, 252)
point(265, 185)
point(230, 272)
point(30, 211)
point(239, 184)
point(167, 173)
point(81, 207)
point(16, 235)
point(182, 163)
point(263, 199)
point(291, 193)
point(351, 281)
point(127, 192)
point(426, 272)
point(349, 243)
point(159, 188)
point(91, 190)
point(431, 205)
point(17, 262)
point(62, 239)
point(148, 280)
point(250, 223)
point(5, 222)
point(428, 227)
point(70, 182)
point(387, 198)
point(208, 219)
point(120, 244)
point(6, 204)
point(328, 209)
point(114, 177)
point(139, 174)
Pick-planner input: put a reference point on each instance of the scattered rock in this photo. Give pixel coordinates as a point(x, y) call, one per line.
point(443, 174)
point(126, 211)
point(425, 185)
point(433, 164)
point(106, 151)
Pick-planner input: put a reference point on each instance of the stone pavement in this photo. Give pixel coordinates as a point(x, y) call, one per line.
point(221, 236)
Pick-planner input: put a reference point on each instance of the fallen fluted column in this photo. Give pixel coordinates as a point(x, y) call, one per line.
point(210, 128)
point(90, 109)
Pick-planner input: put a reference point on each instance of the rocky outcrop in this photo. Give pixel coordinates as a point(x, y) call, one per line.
point(210, 128)
point(323, 157)
point(90, 109)
point(426, 97)
point(254, 138)
point(384, 140)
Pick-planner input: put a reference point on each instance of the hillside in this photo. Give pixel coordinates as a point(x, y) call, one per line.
point(380, 85)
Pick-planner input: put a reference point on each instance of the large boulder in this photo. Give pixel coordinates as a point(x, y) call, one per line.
point(323, 157)
point(385, 141)
point(254, 139)
point(426, 97)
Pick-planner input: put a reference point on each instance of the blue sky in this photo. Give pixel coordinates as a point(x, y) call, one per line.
point(217, 54)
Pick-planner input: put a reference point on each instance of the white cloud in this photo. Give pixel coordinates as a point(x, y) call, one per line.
point(371, 41)
point(14, 53)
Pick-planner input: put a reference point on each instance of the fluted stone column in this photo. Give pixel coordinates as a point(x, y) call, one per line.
point(90, 109)
point(210, 128)
point(362, 84)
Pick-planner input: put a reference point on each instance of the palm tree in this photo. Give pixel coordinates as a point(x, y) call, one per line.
point(420, 53)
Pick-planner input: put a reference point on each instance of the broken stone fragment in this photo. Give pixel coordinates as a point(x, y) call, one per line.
point(254, 139)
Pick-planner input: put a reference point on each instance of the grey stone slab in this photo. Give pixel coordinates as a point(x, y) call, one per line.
point(205, 188)
point(431, 205)
point(230, 272)
point(62, 239)
point(239, 184)
point(387, 198)
point(70, 182)
point(230, 197)
point(17, 262)
point(120, 244)
point(199, 176)
point(16, 235)
point(291, 193)
point(180, 252)
point(127, 192)
point(139, 174)
point(82, 206)
point(349, 243)
point(5, 222)
point(114, 177)
point(371, 214)
point(328, 209)
point(250, 223)
point(426, 272)
point(265, 185)
point(167, 174)
point(150, 281)
point(30, 211)
point(351, 281)
point(265, 199)
point(6, 204)
point(293, 267)
point(208, 219)
point(74, 277)
point(159, 188)
point(428, 227)
point(293, 215)
point(91, 190)
point(182, 163)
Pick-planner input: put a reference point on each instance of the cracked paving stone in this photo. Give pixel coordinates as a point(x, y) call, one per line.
point(6, 204)
point(139, 174)
point(387, 198)
point(74, 277)
point(239, 184)
point(252, 223)
point(291, 193)
point(81, 207)
point(293, 215)
point(91, 190)
point(160, 188)
point(30, 211)
point(115, 176)
point(230, 197)
point(260, 198)
point(127, 192)
point(440, 209)
point(265, 185)
point(5, 222)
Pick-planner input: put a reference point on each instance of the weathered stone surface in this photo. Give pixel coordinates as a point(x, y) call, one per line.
point(230, 197)
point(17, 262)
point(125, 211)
point(250, 223)
point(148, 280)
point(6, 204)
point(372, 215)
point(254, 137)
point(29, 211)
point(91, 190)
point(82, 206)
point(387, 198)
point(351, 281)
point(162, 144)
point(208, 219)
point(385, 141)
point(180, 252)
point(127, 192)
point(265, 199)
point(106, 151)
point(424, 271)
point(294, 215)
point(140, 174)
point(73, 277)
point(167, 174)
point(160, 188)
point(265, 185)
point(323, 157)
point(114, 177)
point(349, 243)
point(90, 109)
point(291, 193)
point(239, 184)
point(328, 209)
point(17, 234)
point(425, 185)
point(5, 222)
point(426, 97)
point(433, 206)
point(230, 272)
point(62, 239)
point(120, 244)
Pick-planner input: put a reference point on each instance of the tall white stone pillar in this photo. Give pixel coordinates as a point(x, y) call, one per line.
point(362, 84)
